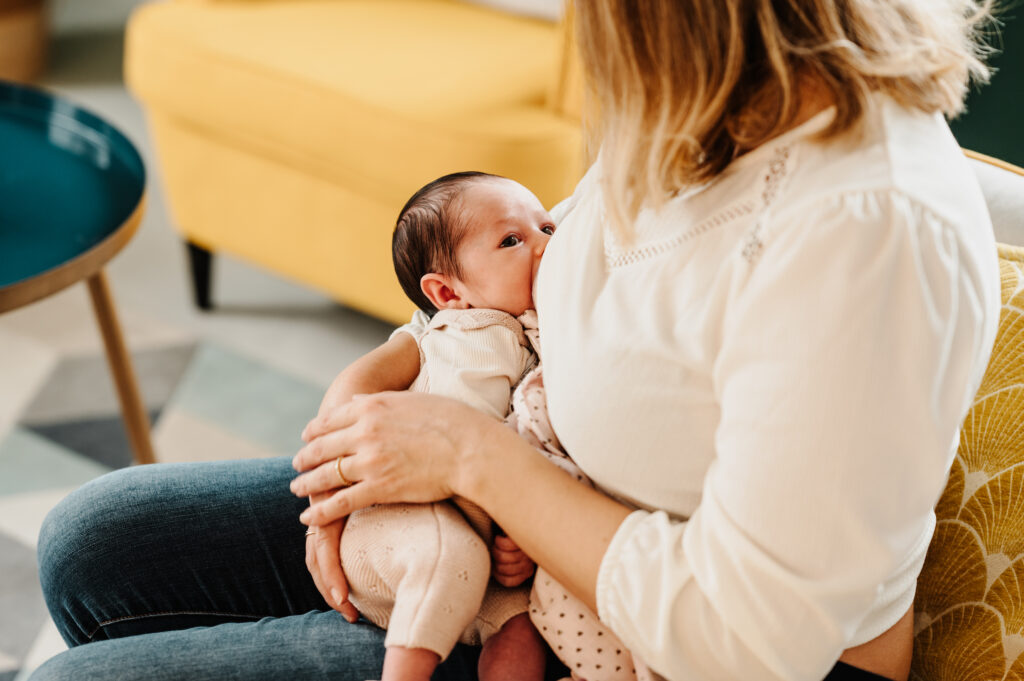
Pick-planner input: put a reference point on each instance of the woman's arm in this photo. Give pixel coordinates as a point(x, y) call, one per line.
point(562, 524)
point(851, 348)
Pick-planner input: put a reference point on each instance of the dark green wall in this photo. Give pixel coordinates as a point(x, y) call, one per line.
point(994, 121)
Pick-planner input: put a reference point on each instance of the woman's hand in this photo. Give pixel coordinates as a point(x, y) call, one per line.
point(510, 566)
point(323, 560)
point(415, 447)
point(393, 447)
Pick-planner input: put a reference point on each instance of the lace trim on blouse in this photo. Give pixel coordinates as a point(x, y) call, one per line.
point(631, 257)
point(776, 171)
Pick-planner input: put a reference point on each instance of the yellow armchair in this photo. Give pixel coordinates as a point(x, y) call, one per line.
point(289, 133)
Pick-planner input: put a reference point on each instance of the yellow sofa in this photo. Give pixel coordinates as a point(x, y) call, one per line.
point(289, 133)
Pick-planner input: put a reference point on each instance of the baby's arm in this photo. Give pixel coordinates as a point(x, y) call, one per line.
point(392, 366)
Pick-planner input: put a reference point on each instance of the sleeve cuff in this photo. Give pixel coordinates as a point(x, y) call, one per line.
point(611, 563)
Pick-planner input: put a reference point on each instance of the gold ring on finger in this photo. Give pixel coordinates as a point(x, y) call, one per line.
point(345, 482)
point(310, 532)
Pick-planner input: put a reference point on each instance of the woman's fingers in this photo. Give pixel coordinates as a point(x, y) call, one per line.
point(327, 550)
point(323, 560)
point(311, 564)
point(341, 504)
point(323, 448)
point(319, 425)
point(390, 447)
point(331, 475)
point(334, 418)
point(328, 558)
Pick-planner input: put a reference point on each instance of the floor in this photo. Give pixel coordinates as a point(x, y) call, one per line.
point(239, 382)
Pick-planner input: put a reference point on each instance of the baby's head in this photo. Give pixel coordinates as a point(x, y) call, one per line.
point(469, 240)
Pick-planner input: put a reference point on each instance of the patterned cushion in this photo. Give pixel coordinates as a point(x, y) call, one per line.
point(969, 609)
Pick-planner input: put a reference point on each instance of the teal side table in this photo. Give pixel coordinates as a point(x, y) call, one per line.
point(72, 192)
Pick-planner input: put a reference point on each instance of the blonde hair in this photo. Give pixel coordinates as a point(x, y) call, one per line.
point(682, 87)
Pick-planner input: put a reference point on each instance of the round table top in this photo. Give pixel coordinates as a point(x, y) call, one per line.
point(71, 193)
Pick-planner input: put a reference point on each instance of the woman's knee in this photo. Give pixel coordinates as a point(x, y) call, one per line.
point(77, 521)
point(59, 668)
point(88, 539)
point(76, 535)
point(106, 518)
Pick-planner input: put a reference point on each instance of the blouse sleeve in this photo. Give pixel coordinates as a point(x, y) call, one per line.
point(851, 349)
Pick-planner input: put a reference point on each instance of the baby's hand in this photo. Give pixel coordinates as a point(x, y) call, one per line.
point(509, 565)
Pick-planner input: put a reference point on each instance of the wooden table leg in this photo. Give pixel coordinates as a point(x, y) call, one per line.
point(136, 422)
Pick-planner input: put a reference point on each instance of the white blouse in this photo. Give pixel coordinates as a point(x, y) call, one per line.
point(775, 372)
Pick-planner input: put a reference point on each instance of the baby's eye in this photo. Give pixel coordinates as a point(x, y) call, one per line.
point(548, 229)
point(509, 241)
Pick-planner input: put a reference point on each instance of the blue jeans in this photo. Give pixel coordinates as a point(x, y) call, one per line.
point(197, 572)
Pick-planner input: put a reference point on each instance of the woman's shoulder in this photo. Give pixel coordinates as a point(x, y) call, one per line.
point(899, 183)
point(903, 153)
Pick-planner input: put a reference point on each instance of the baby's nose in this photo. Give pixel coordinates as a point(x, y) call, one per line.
point(539, 246)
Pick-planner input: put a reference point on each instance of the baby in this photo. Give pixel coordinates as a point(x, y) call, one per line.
point(466, 250)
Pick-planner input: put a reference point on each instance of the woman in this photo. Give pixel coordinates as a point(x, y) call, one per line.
point(763, 315)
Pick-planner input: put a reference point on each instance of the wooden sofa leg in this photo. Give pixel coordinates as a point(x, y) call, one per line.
point(200, 262)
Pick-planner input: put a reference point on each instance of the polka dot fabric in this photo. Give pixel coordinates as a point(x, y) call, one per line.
point(586, 646)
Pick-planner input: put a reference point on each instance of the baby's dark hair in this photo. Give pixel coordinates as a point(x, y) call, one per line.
point(428, 232)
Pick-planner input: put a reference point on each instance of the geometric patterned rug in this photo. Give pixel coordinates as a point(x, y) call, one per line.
point(204, 401)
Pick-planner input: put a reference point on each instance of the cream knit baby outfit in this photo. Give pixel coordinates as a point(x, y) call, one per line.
point(422, 571)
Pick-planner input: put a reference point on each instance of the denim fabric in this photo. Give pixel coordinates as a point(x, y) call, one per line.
point(197, 571)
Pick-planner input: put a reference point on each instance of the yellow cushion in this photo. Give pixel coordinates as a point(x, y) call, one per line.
point(969, 609)
point(342, 89)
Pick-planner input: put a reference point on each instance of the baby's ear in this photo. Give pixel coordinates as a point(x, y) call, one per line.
point(440, 289)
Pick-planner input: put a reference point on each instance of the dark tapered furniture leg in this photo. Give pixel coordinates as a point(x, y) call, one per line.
point(200, 262)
